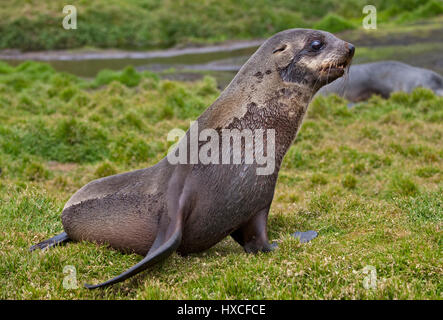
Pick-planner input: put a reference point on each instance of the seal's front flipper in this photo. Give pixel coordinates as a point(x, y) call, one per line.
point(305, 236)
point(58, 239)
point(253, 235)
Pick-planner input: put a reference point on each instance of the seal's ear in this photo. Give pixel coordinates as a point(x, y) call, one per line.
point(280, 48)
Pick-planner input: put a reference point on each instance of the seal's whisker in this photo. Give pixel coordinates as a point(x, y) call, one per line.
point(315, 86)
point(346, 80)
point(329, 71)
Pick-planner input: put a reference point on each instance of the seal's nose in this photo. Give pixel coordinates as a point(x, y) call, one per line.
point(351, 49)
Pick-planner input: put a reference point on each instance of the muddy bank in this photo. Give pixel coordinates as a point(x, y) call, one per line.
point(88, 64)
point(420, 45)
point(67, 55)
point(412, 34)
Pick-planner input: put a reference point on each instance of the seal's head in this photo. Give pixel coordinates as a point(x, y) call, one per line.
point(287, 70)
point(310, 57)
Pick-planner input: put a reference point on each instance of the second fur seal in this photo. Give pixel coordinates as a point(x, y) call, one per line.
point(188, 207)
point(383, 78)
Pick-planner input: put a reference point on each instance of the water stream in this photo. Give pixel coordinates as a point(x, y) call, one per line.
point(223, 61)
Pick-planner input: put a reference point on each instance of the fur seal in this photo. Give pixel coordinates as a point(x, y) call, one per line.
point(383, 78)
point(191, 207)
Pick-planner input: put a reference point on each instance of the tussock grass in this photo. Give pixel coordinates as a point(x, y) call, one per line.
point(369, 179)
point(36, 25)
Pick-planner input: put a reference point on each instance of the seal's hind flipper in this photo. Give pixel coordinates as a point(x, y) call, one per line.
point(58, 239)
point(167, 240)
point(305, 236)
point(165, 250)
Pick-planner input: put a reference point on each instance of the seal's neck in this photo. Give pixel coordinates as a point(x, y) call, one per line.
point(282, 110)
point(261, 100)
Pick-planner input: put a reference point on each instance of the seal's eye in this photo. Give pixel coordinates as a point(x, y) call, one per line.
point(316, 45)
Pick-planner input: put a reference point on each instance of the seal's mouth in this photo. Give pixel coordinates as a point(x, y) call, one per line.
point(331, 71)
point(335, 66)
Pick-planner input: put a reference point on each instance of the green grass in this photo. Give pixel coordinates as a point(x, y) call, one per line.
point(137, 24)
point(334, 23)
point(369, 179)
